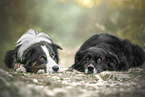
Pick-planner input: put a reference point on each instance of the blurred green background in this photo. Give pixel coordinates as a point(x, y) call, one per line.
point(70, 22)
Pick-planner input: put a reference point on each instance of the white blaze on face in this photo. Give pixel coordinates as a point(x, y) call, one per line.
point(29, 38)
point(50, 62)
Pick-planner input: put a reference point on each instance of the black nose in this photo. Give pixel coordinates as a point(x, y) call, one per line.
point(90, 68)
point(55, 68)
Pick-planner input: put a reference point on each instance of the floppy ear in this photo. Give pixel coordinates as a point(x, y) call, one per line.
point(77, 64)
point(10, 58)
point(26, 56)
point(78, 56)
point(27, 60)
point(57, 46)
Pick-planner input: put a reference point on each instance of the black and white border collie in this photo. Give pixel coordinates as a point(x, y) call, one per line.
point(34, 51)
point(106, 52)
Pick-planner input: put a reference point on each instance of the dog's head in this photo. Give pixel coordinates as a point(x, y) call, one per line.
point(95, 60)
point(37, 51)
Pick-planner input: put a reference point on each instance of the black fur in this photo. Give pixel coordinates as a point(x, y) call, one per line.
point(106, 52)
point(31, 55)
point(34, 51)
point(10, 58)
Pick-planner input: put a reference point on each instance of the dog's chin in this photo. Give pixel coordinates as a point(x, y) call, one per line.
point(52, 72)
point(41, 71)
point(90, 72)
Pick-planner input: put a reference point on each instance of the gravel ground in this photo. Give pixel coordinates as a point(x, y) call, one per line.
point(68, 83)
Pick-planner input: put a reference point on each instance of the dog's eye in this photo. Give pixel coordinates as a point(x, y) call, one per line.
point(43, 57)
point(99, 59)
point(87, 58)
point(52, 55)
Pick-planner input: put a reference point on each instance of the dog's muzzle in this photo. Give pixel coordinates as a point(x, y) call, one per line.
point(90, 69)
point(51, 66)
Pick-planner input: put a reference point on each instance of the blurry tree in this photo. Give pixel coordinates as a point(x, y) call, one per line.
point(70, 22)
point(128, 19)
point(55, 18)
point(125, 18)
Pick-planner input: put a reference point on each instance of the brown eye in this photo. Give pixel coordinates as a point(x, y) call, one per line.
point(52, 55)
point(43, 57)
point(99, 59)
point(87, 58)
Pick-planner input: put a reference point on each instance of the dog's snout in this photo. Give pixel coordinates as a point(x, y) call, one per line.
point(90, 68)
point(55, 68)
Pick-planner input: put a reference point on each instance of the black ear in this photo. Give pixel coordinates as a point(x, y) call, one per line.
point(78, 56)
point(10, 58)
point(27, 55)
point(57, 46)
point(77, 59)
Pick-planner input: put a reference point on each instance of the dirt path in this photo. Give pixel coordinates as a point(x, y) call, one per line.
point(73, 84)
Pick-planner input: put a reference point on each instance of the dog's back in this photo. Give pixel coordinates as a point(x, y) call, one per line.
point(99, 39)
point(133, 54)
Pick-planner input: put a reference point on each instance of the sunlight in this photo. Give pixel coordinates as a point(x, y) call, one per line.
point(98, 2)
point(86, 3)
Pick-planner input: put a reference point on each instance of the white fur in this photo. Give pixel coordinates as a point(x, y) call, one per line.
point(21, 69)
point(94, 71)
point(29, 38)
point(50, 62)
